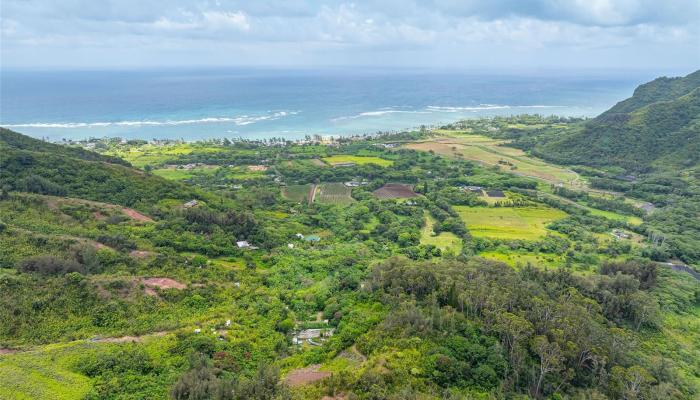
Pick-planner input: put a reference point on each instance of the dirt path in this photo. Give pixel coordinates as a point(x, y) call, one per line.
point(312, 193)
point(129, 339)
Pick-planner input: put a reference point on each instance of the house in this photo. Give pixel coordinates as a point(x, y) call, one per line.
point(190, 204)
point(290, 245)
point(619, 234)
point(299, 235)
point(243, 244)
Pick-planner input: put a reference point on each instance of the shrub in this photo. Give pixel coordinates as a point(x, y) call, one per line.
point(49, 265)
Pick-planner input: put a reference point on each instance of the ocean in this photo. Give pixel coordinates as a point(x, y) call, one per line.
point(265, 103)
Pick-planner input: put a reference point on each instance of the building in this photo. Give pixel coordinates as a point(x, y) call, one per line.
point(243, 244)
point(190, 204)
point(308, 335)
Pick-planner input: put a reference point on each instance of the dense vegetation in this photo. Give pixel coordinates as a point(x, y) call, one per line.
point(466, 281)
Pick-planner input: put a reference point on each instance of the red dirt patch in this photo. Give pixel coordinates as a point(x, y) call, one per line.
point(395, 191)
point(135, 215)
point(303, 376)
point(163, 283)
point(7, 351)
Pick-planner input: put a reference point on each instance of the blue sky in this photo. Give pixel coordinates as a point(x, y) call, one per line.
point(639, 34)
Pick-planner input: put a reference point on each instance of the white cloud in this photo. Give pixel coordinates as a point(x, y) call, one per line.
point(219, 19)
point(367, 32)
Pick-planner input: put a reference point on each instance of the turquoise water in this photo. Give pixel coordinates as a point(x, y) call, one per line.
point(263, 103)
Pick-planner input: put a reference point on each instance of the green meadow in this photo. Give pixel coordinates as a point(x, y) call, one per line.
point(527, 223)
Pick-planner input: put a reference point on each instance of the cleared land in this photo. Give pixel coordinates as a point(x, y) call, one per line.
point(491, 152)
point(333, 193)
point(298, 193)
point(358, 160)
point(527, 223)
point(395, 191)
point(445, 241)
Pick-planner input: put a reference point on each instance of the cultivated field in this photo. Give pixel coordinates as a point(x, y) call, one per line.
point(333, 193)
point(445, 241)
point(490, 152)
point(359, 160)
point(298, 193)
point(526, 223)
point(395, 191)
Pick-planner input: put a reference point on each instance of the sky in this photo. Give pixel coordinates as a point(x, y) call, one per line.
point(490, 34)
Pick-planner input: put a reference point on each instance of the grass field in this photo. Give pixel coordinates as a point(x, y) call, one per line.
point(491, 152)
point(445, 241)
point(359, 160)
point(179, 174)
point(154, 154)
point(298, 193)
point(527, 223)
point(333, 193)
point(630, 219)
point(45, 373)
point(515, 259)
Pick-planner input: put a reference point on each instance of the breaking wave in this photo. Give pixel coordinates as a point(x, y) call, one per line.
point(240, 121)
point(482, 107)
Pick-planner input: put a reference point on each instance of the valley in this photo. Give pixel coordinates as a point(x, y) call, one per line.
point(481, 259)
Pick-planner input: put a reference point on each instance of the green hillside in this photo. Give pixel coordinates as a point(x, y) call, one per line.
point(17, 141)
point(657, 128)
point(34, 166)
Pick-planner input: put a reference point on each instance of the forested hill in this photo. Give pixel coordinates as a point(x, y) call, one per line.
point(18, 141)
point(30, 165)
point(657, 128)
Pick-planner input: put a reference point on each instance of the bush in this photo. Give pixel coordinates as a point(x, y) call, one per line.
point(49, 265)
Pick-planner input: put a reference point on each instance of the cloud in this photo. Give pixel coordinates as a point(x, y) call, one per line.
point(37, 33)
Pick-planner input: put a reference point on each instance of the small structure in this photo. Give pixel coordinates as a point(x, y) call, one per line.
point(308, 335)
point(197, 330)
point(228, 322)
point(258, 168)
point(312, 238)
point(243, 244)
point(190, 204)
point(299, 236)
point(619, 234)
point(290, 245)
point(496, 193)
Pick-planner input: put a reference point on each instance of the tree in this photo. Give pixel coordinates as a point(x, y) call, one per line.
point(550, 359)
